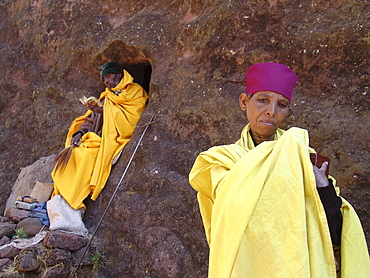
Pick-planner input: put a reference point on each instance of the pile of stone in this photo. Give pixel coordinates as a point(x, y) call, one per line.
point(55, 255)
point(38, 251)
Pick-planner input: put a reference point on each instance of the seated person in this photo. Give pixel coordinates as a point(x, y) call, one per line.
point(98, 137)
point(267, 211)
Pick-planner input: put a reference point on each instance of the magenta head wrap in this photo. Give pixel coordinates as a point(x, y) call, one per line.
point(273, 77)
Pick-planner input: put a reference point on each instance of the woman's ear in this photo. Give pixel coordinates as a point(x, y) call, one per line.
point(243, 99)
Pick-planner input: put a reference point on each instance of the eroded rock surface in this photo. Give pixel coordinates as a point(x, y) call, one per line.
point(199, 50)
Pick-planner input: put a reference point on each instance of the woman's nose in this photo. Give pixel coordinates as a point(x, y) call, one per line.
point(271, 109)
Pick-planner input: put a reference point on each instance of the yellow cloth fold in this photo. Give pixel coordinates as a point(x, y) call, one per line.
point(261, 210)
point(355, 261)
point(90, 164)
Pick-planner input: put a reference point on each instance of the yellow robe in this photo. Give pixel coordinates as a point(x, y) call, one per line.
point(263, 216)
point(90, 164)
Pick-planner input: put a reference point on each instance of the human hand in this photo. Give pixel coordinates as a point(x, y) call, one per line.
point(76, 140)
point(320, 177)
point(95, 109)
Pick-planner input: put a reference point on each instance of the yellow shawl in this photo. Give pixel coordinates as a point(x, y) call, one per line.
point(89, 165)
point(263, 216)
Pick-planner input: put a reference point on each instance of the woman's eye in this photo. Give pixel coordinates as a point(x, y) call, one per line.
point(282, 105)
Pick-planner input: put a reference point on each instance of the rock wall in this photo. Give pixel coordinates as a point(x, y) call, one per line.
point(200, 51)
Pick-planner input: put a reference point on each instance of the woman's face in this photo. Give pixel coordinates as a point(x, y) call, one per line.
point(265, 111)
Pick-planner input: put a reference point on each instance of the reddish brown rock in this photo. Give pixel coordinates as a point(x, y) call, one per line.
point(64, 241)
point(26, 261)
point(4, 240)
point(31, 226)
point(17, 215)
point(77, 256)
point(9, 252)
point(4, 219)
point(5, 262)
point(56, 256)
point(168, 254)
point(7, 229)
point(57, 272)
point(200, 51)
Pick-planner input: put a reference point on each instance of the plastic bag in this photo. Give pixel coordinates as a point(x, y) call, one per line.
point(64, 218)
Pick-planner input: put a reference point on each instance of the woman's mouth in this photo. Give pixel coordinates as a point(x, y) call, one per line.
point(268, 123)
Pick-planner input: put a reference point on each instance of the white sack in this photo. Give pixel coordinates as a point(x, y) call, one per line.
point(64, 218)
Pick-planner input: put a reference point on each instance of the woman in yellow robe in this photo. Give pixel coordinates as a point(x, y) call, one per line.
point(99, 136)
point(259, 199)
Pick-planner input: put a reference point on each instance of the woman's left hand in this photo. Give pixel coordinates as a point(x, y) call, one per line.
point(320, 177)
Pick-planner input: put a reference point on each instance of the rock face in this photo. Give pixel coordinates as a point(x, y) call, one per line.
point(200, 51)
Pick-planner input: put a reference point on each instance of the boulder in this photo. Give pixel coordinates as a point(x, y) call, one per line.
point(56, 256)
point(4, 219)
point(5, 262)
point(23, 186)
point(26, 261)
point(9, 252)
point(30, 225)
point(7, 229)
point(17, 215)
point(4, 240)
point(66, 241)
